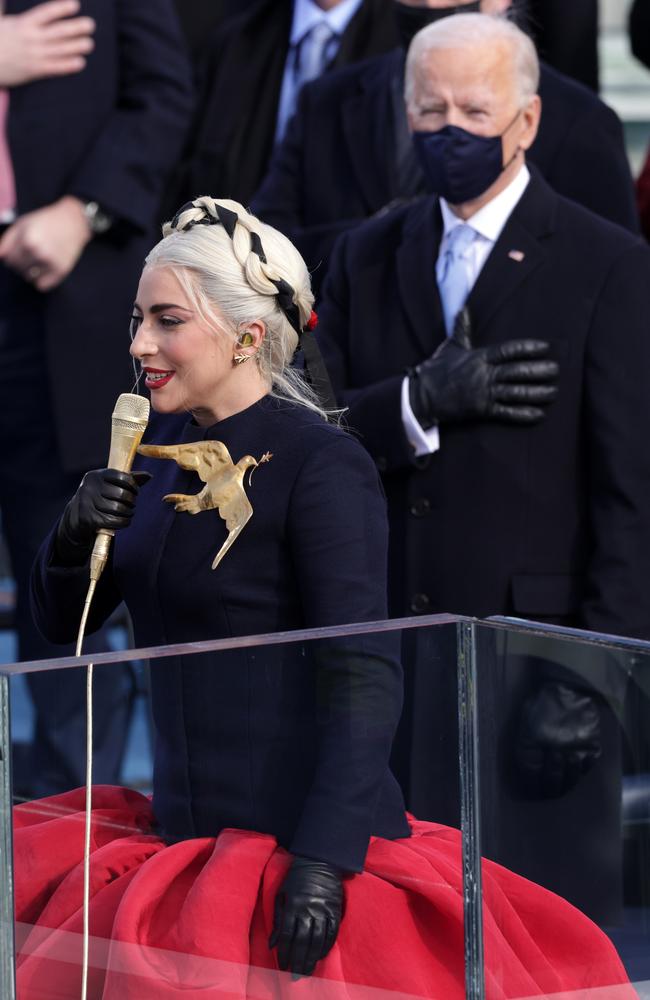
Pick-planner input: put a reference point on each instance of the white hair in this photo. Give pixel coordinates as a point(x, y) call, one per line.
point(228, 276)
point(465, 30)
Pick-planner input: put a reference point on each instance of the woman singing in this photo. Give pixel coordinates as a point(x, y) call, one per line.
point(276, 837)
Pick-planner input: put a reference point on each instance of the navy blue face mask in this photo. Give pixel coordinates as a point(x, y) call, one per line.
point(458, 165)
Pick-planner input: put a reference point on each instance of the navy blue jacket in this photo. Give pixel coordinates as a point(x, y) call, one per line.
point(336, 165)
point(291, 740)
point(110, 134)
point(548, 521)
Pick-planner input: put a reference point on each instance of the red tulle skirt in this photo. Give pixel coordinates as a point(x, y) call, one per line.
point(192, 920)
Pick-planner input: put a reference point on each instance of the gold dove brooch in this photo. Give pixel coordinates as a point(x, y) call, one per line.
point(224, 483)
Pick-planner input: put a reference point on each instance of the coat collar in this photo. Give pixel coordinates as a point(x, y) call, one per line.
point(368, 126)
point(516, 254)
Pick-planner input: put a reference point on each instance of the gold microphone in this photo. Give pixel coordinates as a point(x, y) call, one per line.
point(128, 424)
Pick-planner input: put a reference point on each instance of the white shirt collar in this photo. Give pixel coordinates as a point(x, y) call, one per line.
point(306, 14)
point(490, 220)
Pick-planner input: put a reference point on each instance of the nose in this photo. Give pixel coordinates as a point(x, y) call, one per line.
point(143, 345)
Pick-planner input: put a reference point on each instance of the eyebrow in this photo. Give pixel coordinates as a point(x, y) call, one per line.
point(161, 306)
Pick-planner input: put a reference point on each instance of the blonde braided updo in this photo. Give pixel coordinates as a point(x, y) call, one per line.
point(214, 248)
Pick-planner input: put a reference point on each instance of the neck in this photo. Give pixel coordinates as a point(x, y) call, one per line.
point(470, 208)
point(326, 4)
point(243, 390)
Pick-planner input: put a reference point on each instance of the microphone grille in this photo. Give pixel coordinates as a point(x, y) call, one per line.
point(131, 409)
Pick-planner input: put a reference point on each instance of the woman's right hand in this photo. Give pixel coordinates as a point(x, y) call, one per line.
point(105, 499)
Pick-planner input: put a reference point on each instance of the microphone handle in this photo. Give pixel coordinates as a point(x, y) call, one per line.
point(99, 555)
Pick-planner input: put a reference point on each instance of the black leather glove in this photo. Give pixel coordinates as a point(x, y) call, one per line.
point(308, 911)
point(105, 499)
point(558, 739)
point(512, 381)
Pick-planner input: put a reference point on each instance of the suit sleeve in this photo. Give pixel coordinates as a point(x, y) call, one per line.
point(58, 594)
point(127, 166)
point(375, 410)
point(591, 167)
point(339, 542)
point(617, 425)
point(283, 196)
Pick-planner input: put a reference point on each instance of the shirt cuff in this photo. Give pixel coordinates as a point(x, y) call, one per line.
point(423, 442)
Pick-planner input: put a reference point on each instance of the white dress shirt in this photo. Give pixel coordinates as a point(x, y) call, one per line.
point(488, 223)
point(307, 14)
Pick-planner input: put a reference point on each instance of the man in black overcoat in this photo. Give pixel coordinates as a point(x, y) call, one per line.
point(242, 79)
point(502, 499)
point(346, 154)
point(89, 152)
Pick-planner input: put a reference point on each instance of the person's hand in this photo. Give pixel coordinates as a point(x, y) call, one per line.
point(558, 739)
point(308, 912)
point(44, 41)
point(105, 499)
point(511, 382)
point(44, 245)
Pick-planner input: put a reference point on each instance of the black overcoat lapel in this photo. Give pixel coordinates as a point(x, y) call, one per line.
point(416, 274)
point(372, 31)
point(237, 133)
point(368, 128)
point(517, 253)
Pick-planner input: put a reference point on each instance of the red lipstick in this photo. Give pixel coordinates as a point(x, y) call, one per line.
point(156, 378)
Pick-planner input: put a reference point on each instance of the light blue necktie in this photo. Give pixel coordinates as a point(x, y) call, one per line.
point(454, 284)
point(313, 53)
point(307, 59)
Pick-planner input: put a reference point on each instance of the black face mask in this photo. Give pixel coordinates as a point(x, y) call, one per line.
point(410, 20)
point(458, 165)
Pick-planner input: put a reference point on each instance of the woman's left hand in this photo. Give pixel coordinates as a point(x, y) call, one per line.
point(308, 911)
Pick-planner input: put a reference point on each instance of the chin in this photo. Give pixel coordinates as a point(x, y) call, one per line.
point(159, 405)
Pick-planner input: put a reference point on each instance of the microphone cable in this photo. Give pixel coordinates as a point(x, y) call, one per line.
point(128, 422)
point(89, 773)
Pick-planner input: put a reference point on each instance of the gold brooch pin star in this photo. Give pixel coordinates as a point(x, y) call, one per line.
point(224, 483)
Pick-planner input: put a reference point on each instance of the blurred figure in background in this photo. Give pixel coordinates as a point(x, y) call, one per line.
point(252, 73)
point(200, 18)
point(359, 112)
point(94, 110)
point(566, 34)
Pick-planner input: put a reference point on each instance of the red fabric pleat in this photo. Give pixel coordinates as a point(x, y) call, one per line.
point(192, 920)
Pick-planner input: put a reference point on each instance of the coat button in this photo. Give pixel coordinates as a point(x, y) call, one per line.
point(382, 463)
point(420, 604)
point(420, 507)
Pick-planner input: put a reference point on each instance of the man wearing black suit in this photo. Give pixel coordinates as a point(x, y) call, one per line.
point(502, 499)
point(314, 196)
point(88, 153)
point(250, 77)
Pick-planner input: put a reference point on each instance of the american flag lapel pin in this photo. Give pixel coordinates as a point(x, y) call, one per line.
point(516, 255)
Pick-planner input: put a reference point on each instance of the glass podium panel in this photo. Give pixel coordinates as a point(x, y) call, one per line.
point(563, 720)
point(255, 750)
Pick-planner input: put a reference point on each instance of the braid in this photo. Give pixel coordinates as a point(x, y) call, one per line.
point(243, 229)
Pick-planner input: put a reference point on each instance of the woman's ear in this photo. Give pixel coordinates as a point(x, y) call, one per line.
point(250, 337)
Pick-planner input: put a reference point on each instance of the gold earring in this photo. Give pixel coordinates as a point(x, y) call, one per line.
point(240, 358)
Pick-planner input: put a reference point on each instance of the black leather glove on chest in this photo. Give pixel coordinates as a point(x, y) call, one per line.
point(512, 382)
point(308, 912)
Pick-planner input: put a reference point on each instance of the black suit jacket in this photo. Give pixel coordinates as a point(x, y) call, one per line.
point(549, 521)
point(336, 164)
point(233, 138)
point(109, 134)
